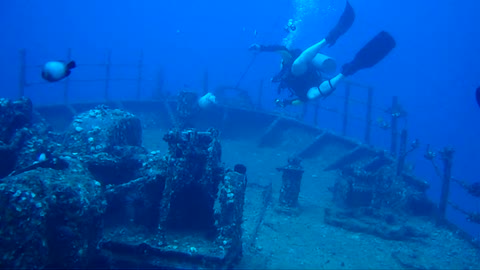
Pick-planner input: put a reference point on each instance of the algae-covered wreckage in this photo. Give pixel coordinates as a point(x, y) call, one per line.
point(163, 184)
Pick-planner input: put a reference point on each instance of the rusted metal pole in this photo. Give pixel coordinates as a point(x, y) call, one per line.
point(67, 80)
point(345, 109)
point(140, 71)
point(107, 75)
point(368, 126)
point(394, 116)
point(22, 74)
point(447, 158)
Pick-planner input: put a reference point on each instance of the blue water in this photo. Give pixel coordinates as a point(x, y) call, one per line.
point(433, 70)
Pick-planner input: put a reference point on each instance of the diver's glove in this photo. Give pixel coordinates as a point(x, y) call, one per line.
point(343, 24)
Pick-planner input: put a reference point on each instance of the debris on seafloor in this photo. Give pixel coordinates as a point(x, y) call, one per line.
point(378, 202)
point(92, 196)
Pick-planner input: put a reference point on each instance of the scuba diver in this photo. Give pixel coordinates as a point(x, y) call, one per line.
point(301, 70)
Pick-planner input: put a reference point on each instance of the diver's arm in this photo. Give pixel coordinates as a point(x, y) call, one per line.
point(273, 48)
point(268, 48)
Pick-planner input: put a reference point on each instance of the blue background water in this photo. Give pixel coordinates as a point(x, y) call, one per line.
point(434, 68)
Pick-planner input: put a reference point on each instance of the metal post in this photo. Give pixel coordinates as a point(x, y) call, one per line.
point(22, 75)
point(291, 182)
point(107, 74)
point(205, 82)
point(368, 127)
point(447, 157)
point(345, 109)
point(140, 70)
point(394, 116)
point(67, 80)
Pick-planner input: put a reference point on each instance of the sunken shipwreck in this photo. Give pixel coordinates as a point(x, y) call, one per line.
point(164, 184)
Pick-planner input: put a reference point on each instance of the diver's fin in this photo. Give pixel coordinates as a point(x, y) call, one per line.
point(374, 51)
point(343, 24)
point(478, 96)
point(71, 65)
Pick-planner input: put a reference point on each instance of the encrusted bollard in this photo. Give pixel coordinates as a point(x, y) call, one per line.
point(291, 181)
point(228, 213)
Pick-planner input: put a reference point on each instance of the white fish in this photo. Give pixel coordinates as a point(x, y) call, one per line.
point(56, 70)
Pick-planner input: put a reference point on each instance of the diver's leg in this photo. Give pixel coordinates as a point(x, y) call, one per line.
point(344, 23)
point(372, 53)
point(325, 88)
point(301, 63)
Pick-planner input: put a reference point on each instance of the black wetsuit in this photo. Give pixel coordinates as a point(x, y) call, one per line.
point(298, 85)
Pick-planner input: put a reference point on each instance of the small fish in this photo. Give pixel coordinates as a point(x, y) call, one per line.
point(56, 70)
